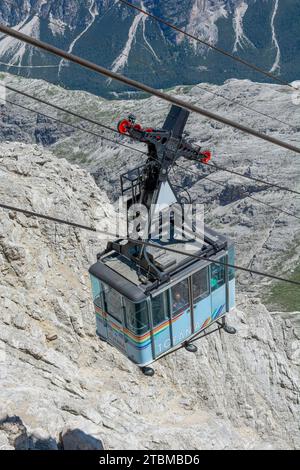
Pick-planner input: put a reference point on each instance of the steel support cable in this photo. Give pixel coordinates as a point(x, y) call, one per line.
point(91, 229)
point(58, 108)
point(195, 38)
point(196, 337)
point(81, 129)
point(248, 194)
point(244, 269)
point(230, 100)
point(84, 118)
point(249, 108)
point(92, 121)
point(273, 118)
point(140, 86)
point(47, 217)
point(114, 130)
point(252, 178)
point(145, 243)
point(215, 48)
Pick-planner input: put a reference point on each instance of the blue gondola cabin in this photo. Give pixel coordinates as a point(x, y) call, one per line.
point(145, 319)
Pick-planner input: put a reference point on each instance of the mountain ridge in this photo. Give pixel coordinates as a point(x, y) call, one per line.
point(261, 32)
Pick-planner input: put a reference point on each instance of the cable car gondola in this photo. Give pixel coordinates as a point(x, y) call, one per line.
point(149, 300)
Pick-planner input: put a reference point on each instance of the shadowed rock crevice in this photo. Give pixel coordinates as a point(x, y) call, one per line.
point(15, 436)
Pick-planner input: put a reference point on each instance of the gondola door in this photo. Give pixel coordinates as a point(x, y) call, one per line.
point(101, 316)
point(114, 308)
point(201, 299)
point(181, 313)
point(218, 289)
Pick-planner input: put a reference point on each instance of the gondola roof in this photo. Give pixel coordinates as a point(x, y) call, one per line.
point(130, 279)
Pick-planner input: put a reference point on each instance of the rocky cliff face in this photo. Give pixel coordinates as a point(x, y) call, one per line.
point(57, 377)
point(263, 32)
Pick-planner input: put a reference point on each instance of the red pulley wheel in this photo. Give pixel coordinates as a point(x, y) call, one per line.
point(207, 156)
point(123, 126)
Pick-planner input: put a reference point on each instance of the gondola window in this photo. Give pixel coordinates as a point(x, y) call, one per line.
point(136, 317)
point(217, 275)
point(97, 292)
point(160, 309)
point(200, 285)
point(113, 303)
point(180, 297)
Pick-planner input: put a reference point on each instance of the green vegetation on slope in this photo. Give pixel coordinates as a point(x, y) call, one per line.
point(286, 297)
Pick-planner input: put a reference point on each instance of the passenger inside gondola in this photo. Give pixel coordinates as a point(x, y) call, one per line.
point(217, 275)
point(178, 302)
point(180, 296)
